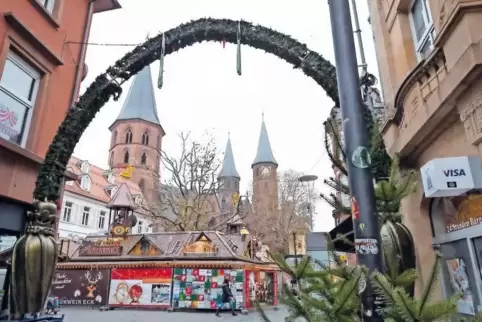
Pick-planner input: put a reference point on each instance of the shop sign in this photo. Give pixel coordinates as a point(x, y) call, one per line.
point(100, 250)
point(468, 213)
point(81, 287)
point(448, 177)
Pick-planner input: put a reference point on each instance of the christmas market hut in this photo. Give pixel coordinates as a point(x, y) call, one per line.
point(166, 270)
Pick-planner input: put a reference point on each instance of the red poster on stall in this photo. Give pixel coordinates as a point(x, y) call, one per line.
point(141, 287)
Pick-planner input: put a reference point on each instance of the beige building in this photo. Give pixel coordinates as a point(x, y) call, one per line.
point(429, 55)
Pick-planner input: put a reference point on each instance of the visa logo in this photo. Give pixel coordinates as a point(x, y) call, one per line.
point(454, 173)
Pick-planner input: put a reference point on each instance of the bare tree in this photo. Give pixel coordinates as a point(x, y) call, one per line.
point(187, 197)
point(296, 207)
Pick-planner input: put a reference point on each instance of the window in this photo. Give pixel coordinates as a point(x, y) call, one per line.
point(85, 183)
point(102, 219)
point(128, 137)
point(422, 28)
point(85, 167)
point(126, 157)
point(142, 185)
point(85, 216)
point(67, 215)
point(158, 142)
point(138, 200)
point(139, 227)
point(114, 138)
point(111, 160)
point(111, 178)
point(145, 139)
point(143, 159)
point(113, 191)
point(48, 5)
point(18, 91)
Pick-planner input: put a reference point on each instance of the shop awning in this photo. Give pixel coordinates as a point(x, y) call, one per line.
point(345, 228)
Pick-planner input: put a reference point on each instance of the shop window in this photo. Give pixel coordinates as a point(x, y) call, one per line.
point(422, 28)
point(18, 92)
point(49, 5)
point(261, 287)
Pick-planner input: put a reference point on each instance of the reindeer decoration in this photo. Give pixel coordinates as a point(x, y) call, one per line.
point(92, 286)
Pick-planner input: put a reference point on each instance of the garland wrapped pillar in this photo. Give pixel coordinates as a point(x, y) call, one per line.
point(33, 261)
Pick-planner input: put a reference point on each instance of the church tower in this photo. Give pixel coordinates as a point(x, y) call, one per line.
point(137, 135)
point(265, 176)
point(228, 179)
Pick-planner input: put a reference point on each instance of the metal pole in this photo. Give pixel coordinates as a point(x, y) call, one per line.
point(364, 214)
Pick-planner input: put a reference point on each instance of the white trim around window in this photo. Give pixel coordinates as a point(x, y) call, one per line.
point(423, 32)
point(19, 85)
point(49, 5)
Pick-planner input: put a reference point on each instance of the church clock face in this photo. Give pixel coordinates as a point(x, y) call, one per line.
point(265, 171)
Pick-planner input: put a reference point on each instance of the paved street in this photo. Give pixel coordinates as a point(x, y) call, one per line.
point(89, 315)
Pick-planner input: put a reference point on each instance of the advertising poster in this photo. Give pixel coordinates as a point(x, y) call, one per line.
point(81, 287)
point(201, 288)
point(460, 284)
point(141, 287)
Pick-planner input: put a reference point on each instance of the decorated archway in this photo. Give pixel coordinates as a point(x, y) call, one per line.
point(34, 255)
point(108, 84)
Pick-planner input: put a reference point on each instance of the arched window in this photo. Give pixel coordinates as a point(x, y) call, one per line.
point(142, 185)
point(145, 138)
point(111, 159)
point(144, 159)
point(126, 157)
point(129, 136)
point(114, 138)
point(158, 142)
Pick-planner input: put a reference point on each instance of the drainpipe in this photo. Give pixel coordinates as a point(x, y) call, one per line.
point(82, 52)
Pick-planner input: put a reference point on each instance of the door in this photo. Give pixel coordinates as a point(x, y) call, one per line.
point(458, 275)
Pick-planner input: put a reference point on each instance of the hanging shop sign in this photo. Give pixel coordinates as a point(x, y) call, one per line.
point(81, 287)
point(100, 250)
point(448, 177)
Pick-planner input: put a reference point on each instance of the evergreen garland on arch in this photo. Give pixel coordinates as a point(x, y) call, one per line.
point(108, 84)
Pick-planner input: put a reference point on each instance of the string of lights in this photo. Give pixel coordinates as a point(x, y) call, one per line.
point(102, 44)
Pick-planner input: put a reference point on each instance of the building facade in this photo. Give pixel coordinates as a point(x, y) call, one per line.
point(429, 59)
point(40, 74)
point(84, 208)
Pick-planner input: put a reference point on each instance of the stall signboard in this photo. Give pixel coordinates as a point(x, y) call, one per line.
point(81, 287)
point(100, 250)
point(201, 288)
point(139, 287)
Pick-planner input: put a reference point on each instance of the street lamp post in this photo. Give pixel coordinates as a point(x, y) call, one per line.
point(365, 222)
point(309, 179)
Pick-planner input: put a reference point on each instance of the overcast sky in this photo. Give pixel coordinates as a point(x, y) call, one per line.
point(202, 90)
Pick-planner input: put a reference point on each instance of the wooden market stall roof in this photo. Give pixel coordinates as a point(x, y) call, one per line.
point(169, 249)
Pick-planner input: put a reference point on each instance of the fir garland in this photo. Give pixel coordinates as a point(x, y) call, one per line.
point(108, 85)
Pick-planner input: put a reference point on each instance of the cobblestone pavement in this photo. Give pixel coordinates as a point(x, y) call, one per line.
point(89, 315)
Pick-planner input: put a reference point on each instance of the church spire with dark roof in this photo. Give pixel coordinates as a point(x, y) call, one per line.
point(229, 167)
point(140, 103)
point(264, 153)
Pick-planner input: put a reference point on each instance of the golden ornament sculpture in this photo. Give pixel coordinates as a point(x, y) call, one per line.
point(34, 259)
